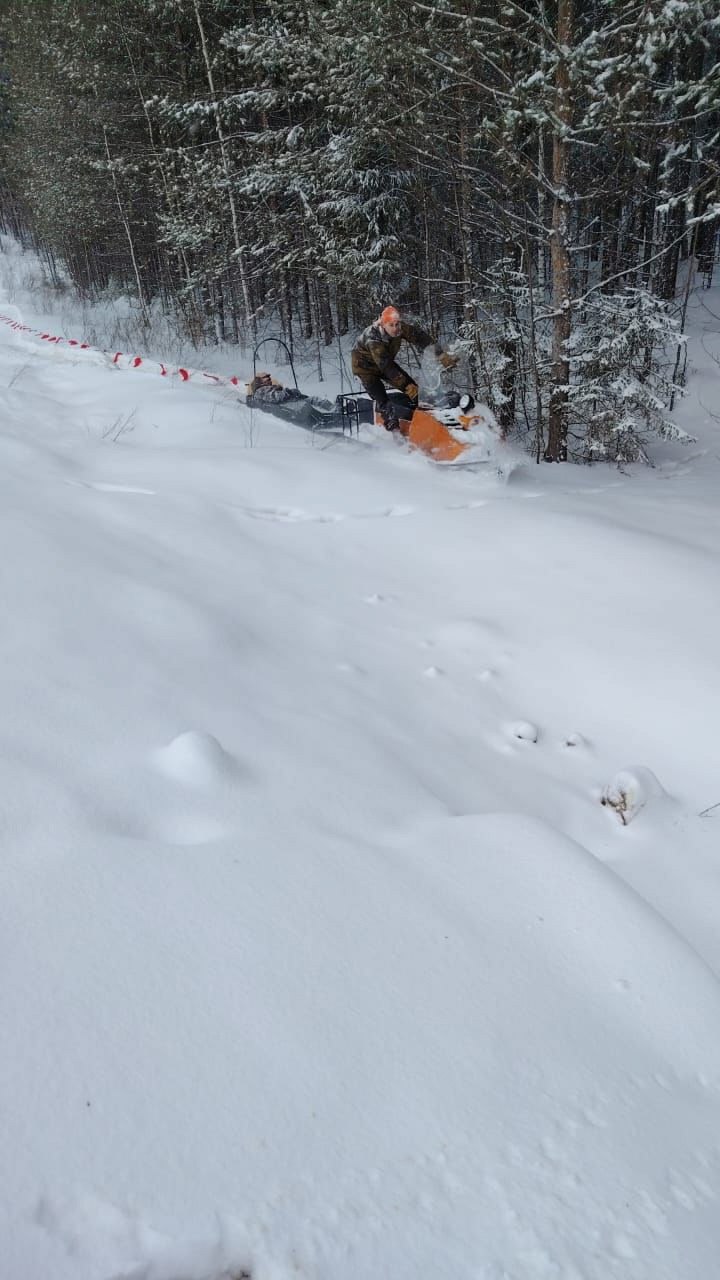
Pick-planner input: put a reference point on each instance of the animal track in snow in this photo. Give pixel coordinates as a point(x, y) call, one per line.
point(524, 730)
point(473, 640)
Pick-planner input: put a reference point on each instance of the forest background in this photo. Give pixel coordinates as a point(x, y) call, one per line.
point(541, 179)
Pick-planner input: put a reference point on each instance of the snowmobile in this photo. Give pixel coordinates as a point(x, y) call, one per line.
point(452, 426)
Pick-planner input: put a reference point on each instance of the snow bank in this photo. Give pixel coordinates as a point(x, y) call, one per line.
point(321, 955)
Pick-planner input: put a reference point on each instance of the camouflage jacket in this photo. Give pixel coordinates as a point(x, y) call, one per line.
point(375, 352)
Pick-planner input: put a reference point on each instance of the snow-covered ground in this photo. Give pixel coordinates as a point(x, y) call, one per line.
point(321, 955)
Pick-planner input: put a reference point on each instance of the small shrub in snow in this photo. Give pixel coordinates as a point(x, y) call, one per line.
point(629, 792)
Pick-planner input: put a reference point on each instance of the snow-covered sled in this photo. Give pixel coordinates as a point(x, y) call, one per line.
point(310, 412)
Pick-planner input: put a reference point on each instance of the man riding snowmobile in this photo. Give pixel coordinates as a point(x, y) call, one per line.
point(373, 361)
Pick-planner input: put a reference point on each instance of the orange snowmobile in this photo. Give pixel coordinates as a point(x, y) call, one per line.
point(443, 434)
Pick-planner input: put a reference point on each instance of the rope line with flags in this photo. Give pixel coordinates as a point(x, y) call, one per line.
point(122, 361)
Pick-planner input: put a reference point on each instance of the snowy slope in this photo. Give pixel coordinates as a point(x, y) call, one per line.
point(321, 955)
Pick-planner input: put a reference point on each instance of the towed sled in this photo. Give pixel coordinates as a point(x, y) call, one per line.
point(292, 406)
point(312, 413)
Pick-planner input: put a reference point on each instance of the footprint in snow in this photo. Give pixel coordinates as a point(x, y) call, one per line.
point(523, 730)
point(471, 640)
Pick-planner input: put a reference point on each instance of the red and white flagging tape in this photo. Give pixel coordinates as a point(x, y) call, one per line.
point(123, 361)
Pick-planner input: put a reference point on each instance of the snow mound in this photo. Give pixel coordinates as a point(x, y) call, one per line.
point(92, 1229)
point(194, 758)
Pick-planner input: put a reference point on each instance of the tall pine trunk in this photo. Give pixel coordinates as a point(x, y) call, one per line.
point(249, 316)
point(556, 448)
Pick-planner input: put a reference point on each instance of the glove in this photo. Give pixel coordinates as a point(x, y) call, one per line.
point(447, 361)
point(412, 391)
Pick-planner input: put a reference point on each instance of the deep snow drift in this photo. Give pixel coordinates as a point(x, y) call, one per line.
point(361, 846)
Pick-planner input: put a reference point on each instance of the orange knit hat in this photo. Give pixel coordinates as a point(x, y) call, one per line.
point(390, 315)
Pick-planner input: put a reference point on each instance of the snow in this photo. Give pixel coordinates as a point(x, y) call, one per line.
point(322, 955)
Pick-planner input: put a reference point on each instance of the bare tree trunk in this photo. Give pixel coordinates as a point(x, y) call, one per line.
point(556, 450)
point(689, 281)
point(287, 293)
point(128, 232)
point(508, 346)
point(342, 309)
point(225, 157)
point(533, 348)
point(542, 202)
point(307, 326)
point(462, 206)
point(317, 325)
point(180, 255)
point(648, 231)
point(426, 292)
point(326, 321)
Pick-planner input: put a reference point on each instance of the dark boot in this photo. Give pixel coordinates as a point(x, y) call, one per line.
point(390, 419)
